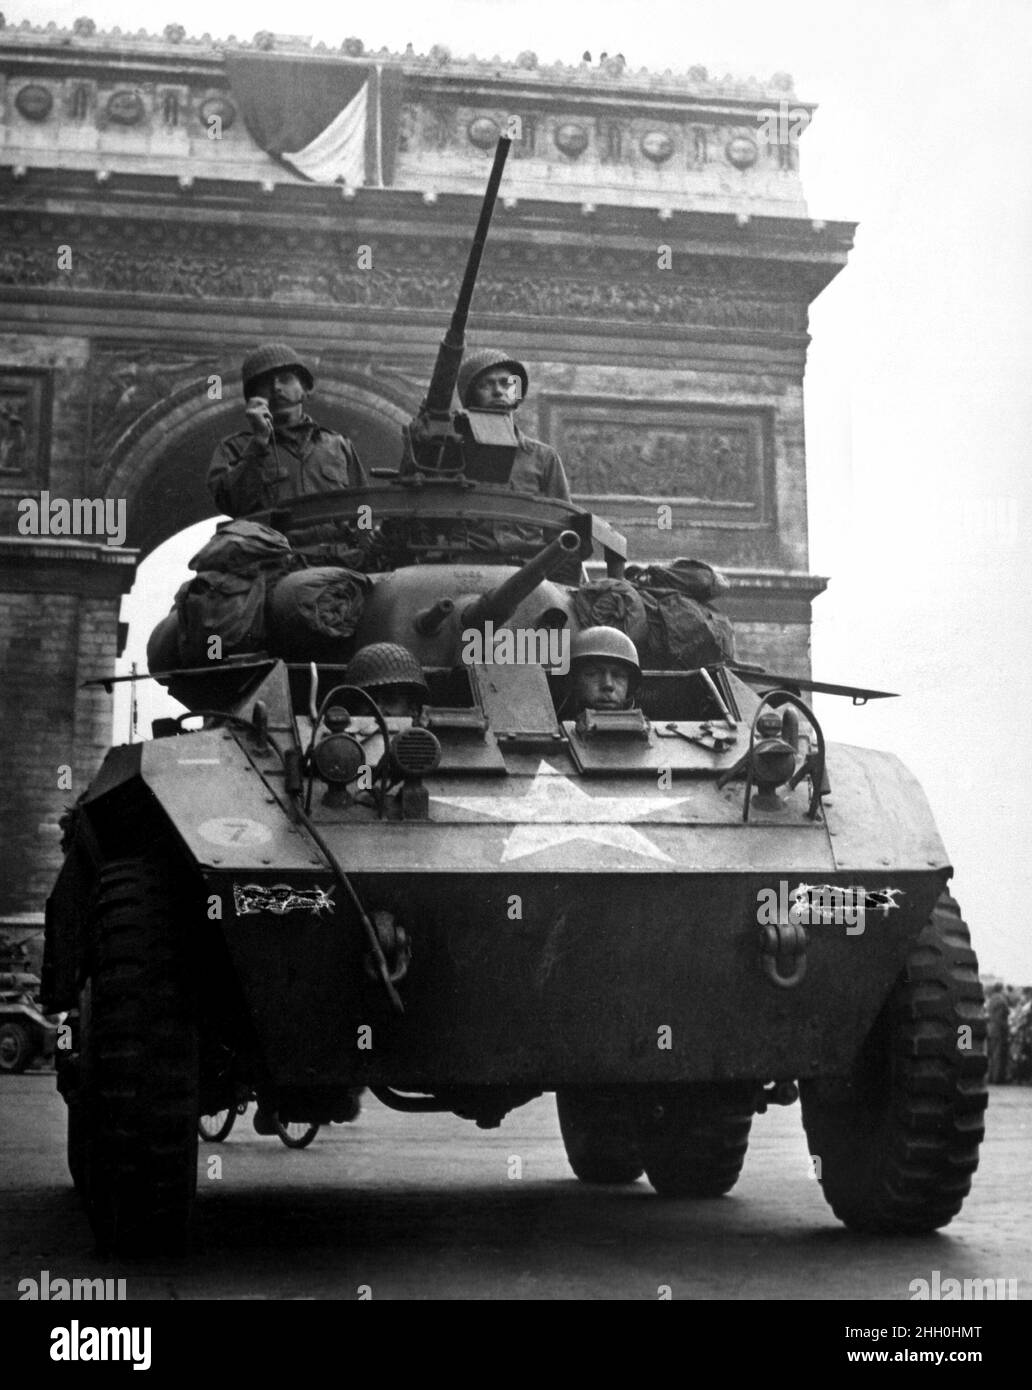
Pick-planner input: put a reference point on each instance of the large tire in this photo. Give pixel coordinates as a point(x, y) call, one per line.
point(694, 1142)
point(897, 1141)
point(16, 1048)
point(599, 1135)
point(139, 1064)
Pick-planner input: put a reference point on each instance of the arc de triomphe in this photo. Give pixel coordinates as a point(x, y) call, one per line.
point(652, 261)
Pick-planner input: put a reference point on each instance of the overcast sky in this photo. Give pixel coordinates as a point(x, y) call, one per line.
point(918, 408)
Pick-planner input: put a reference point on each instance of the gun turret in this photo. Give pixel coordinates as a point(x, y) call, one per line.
point(500, 603)
point(437, 444)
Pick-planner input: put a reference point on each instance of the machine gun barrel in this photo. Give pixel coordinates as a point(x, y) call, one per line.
point(500, 603)
point(449, 354)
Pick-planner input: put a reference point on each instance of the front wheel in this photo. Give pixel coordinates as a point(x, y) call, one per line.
point(133, 1119)
point(895, 1144)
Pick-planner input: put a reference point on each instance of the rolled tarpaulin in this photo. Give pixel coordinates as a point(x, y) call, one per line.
point(312, 615)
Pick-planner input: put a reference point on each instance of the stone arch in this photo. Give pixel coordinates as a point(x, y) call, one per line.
point(161, 471)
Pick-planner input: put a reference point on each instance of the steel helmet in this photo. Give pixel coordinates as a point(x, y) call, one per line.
point(270, 357)
point(386, 663)
point(483, 360)
point(608, 644)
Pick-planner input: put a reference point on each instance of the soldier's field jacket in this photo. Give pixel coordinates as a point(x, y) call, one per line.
point(537, 468)
point(246, 475)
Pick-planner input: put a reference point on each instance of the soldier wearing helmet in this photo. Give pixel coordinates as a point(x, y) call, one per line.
point(604, 670)
point(283, 453)
point(393, 677)
point(492, 380)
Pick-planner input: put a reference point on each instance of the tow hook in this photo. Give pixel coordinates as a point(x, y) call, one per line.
point(394, 944)
point(783, 950)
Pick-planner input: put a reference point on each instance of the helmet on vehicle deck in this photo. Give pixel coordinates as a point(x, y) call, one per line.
point(386, 663)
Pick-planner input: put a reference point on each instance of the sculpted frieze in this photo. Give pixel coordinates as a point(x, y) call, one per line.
point(712, 464)
point(128, 381)
point(658, 298)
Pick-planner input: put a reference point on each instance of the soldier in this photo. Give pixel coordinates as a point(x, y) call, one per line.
point(999, 1014)
point(393, 677)
point(283, 453)
point(492, 380)
point(604, 670)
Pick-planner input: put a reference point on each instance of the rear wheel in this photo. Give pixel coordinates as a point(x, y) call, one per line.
point(133, 1136)
point(897, 1141)
point(599, 1135)
point(296, 1135)
point(694, 1141)
point(15, 1047)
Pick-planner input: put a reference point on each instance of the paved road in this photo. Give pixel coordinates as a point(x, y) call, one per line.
point(429, 1207)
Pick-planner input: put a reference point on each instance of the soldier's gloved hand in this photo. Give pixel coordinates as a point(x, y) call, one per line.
point(260, 418)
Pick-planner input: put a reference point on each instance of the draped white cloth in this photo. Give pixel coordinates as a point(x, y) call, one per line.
point(339, 153)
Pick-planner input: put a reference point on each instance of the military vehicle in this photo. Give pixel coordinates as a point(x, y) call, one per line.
point(671, 915)
point(26, 1033)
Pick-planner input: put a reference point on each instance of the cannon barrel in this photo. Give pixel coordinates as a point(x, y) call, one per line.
point(449, 354)
point(500, 603)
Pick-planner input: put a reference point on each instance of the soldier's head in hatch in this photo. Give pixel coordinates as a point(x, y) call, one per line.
point(393, 677)
point(492, 380)
point(276, 374)
point(604, 669)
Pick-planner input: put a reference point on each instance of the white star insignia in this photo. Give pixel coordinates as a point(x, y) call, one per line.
point(555, 810)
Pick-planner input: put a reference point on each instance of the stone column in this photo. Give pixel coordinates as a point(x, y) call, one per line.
point(59, 605)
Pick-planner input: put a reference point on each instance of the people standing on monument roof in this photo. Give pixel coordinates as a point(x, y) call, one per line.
point(283, 453)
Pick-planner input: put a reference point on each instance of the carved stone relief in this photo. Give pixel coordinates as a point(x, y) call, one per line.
point(34, 101)
point(128, 381)
point(659, 460)
point(708, 459)
point(219, 264)
point(439, 127)
point(25, 395)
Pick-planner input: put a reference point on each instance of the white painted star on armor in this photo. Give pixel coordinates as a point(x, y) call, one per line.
point(555, 810)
